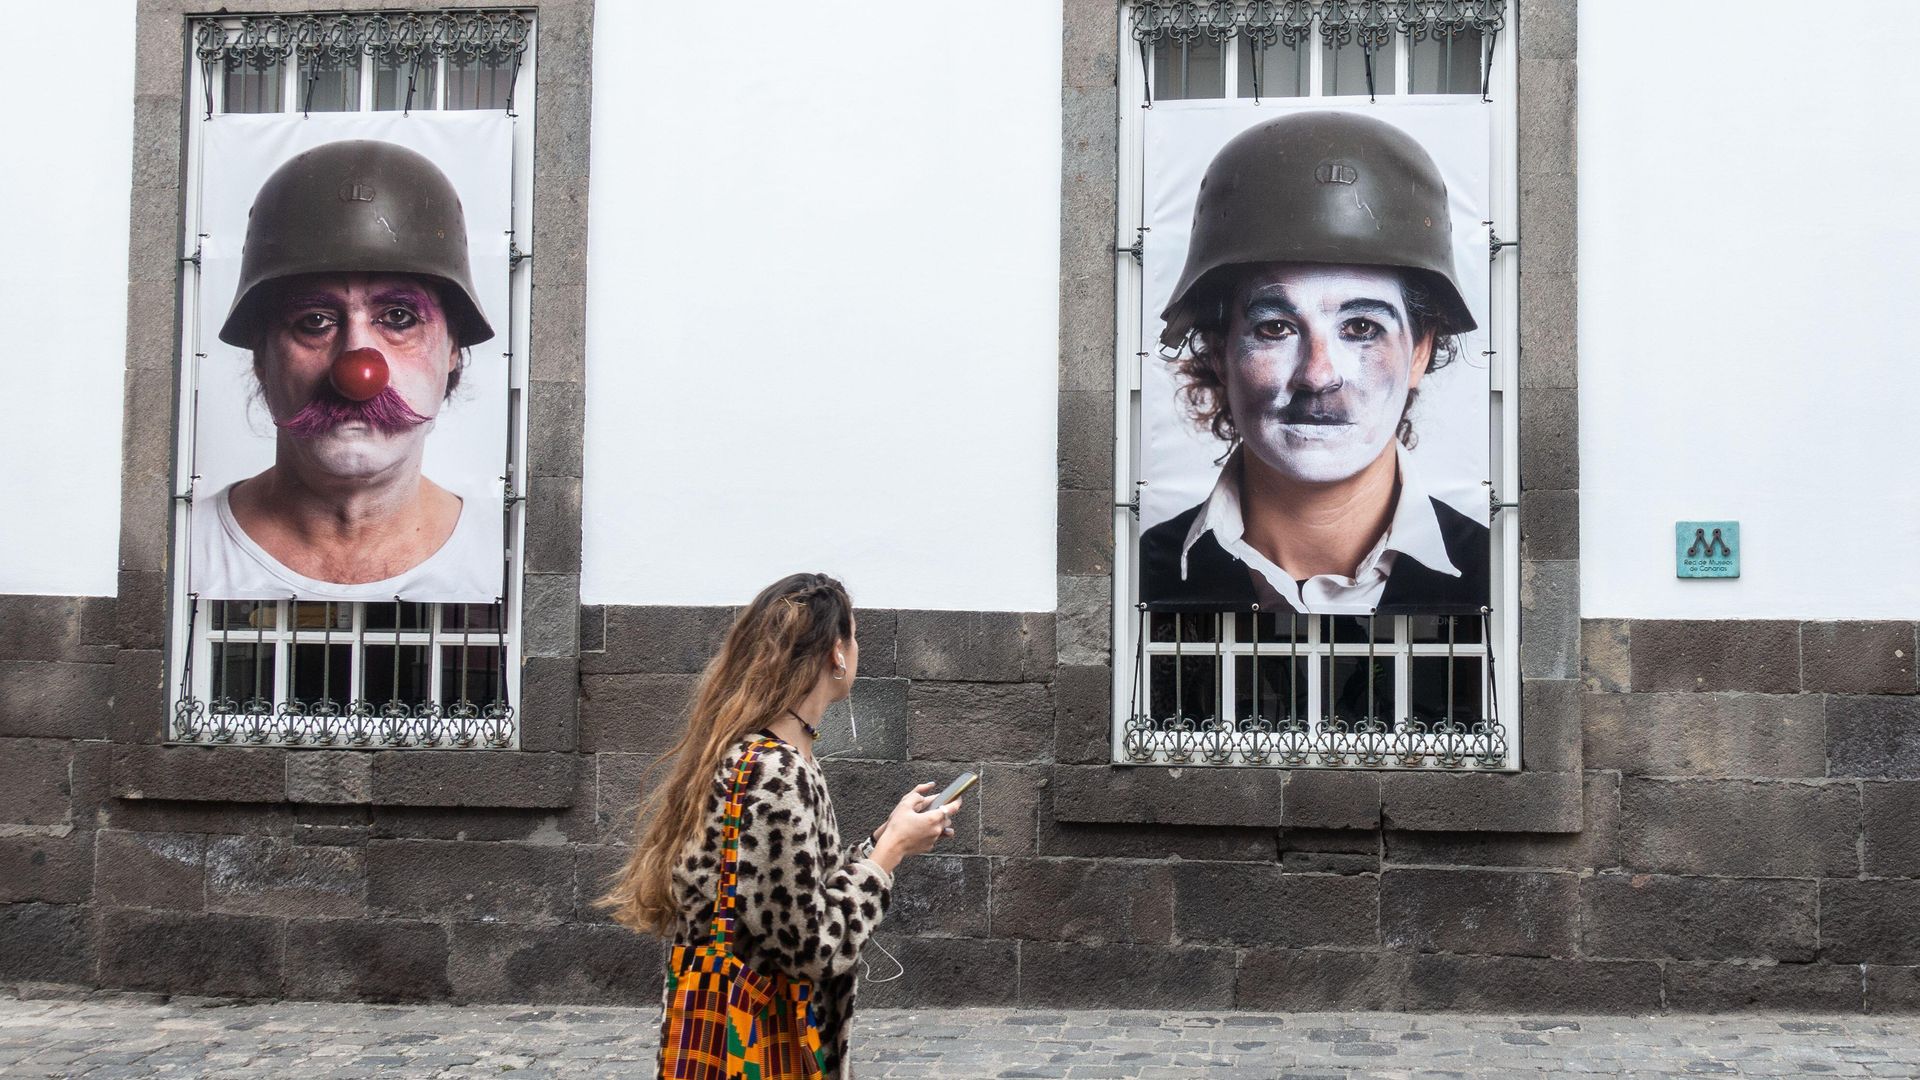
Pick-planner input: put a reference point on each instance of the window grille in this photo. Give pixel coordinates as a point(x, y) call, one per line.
point(1254, 688)
point(335, 674)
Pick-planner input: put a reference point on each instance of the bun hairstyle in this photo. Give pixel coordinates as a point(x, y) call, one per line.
point(773, 655)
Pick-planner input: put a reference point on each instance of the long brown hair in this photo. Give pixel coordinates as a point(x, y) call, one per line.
point(771, 660)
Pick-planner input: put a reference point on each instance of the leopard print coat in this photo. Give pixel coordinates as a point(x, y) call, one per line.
point(806, 905)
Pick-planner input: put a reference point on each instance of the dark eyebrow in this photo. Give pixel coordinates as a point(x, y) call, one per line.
point(1277, 305)
point(1368, 306)
point(418, 298)
point(313, 299)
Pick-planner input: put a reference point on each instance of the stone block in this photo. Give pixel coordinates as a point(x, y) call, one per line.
point(474, 778)
point(1749, 988)
point(1009, 798)
point(938, 895)
point(1595, 846)
point(1549, 211)
point(976, 646)
point(1084, 545)
point(1082, 900)
point(560, 233)
point(1437, 982)
point(1708, 735)
point(1163, 796)
point(46, 943)
point(623, 782)
point(140, 708)
point(1329, 851)
point(963, 721)
point(1083, 715)
point(1329, 799)
point(1547, 29)
point(551, 614)
point(265, 875)
point(51, 869)
point(141, 610)
point(1892, 989)
point(1148, 841)
point(384, 960)
point(876, 630)
point(553, 525)
point(941, 973)
point(593, 628)
point(1083, 626)
point(49, 629)
point(1091, 28)
point(1481, 802)
point(1549, 525)
point(556, 424)
point(1653, 917)
point(1761, 655)
point(1062, 975)
point(570, 963)
point(1874, 737)
point(1549, 344)
point(1738, 828)
point(595, 869)
point(1242, 904)
point(482, 824)
point(1550, 620)
point(1547, 109)
point(659, 640)
point(558, 325)
point(1550, 725)
point(1869, 922)
point(640, 714)
point(330, 777)
point(1857, 657)
point(549, 706)
point(879, 709)
point(151, 870)
point(200, 773)
point(1319, 980)
point(502, 882)
point(221, 819)
point(1086, 444)
point(36, 781)
point(1606, 665)
point(1498, 912)
point(1549, 439)
point(197, 953)
point(865, 792)
point(1891, 824)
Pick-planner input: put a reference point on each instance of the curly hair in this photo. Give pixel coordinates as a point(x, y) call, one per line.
point(1200, 358)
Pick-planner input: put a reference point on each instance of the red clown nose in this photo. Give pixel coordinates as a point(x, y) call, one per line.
point(359, 374)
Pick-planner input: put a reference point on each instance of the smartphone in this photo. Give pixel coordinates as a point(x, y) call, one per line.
point(954, 790)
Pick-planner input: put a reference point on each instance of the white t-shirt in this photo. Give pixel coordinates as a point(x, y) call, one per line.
point(227, 565)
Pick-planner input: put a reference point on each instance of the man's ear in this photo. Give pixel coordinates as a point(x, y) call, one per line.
point(1422, 358)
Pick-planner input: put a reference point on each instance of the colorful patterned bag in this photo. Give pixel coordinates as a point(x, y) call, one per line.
point(724, 1020)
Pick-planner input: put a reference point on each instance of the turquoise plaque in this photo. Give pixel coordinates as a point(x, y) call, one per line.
point(1706, 549)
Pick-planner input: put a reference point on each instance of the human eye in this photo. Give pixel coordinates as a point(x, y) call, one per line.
point(314, 322)
point(400, 318)
point(1273, 329)
point(1361, 329)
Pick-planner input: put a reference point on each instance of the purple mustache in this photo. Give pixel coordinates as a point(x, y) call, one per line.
point(386, 411)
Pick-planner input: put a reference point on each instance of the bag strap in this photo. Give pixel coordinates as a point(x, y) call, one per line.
point(728, 901)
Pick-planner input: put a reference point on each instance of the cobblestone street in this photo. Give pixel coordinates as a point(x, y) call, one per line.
point(112, 1036)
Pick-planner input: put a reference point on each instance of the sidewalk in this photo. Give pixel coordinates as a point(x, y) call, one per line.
point(114, 1036)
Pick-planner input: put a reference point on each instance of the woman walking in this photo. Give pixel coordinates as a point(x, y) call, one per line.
point(743, 791)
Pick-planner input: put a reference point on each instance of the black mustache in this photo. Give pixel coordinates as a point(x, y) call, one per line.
point(1313, 411)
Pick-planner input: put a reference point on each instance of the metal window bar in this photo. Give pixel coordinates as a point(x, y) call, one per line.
point(269, 63)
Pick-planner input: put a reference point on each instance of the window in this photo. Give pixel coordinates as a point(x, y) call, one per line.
point(1251, 687)
point(304, 672)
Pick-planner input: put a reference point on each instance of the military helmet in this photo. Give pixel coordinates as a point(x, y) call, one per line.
point(358, 205)
point(1321, 187)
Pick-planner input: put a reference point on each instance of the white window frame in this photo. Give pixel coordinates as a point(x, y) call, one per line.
point(430, 730)
point(1131, 352)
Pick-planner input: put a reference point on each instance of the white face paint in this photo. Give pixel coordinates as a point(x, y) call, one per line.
point(1319, 363)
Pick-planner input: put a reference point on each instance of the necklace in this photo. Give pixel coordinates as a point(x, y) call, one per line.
point(812, 732)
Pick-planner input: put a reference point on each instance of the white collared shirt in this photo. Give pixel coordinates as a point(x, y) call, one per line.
point(1413, 533)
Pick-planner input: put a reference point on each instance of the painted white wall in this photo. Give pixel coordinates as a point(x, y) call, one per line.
point(68, 189)
point(1749, 258)
point(822, 326)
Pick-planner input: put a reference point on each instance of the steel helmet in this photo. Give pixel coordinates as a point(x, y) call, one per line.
point(1321, 187)
point(358, 205)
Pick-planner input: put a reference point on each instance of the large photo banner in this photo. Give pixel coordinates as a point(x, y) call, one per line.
point(1314, 399)
point(351, 406)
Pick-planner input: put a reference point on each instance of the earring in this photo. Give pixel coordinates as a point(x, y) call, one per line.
point(840, 672)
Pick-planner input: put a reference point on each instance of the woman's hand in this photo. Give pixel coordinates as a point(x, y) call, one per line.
point(912, 829)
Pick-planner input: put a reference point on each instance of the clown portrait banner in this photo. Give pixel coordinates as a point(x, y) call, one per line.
point(1314, 398)
point(350, 404)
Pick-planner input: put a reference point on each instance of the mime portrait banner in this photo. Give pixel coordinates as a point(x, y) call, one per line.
point(349, 437)
point(1314, 398)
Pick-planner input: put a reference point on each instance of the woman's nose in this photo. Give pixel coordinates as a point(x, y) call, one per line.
point(1316, 372)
